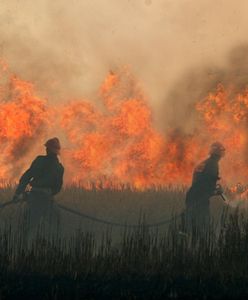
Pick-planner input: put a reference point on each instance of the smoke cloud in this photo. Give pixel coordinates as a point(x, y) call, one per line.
point(179, 50)
point(66, 49)
point(198, 82)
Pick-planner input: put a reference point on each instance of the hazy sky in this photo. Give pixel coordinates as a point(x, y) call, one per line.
point(67, 47)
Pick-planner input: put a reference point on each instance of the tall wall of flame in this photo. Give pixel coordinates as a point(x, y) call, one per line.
point(24, 119)
point(115, 142)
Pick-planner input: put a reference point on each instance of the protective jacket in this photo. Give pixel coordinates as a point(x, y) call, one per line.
point(205, 178)
point(45, 172)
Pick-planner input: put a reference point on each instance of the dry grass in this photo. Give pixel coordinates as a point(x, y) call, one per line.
point(92, 261)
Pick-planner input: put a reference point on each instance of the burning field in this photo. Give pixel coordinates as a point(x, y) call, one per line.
point(136, 92)
point(112, 140)
point(120, 167)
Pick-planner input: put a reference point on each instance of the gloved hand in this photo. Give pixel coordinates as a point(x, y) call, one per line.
point(219, 190)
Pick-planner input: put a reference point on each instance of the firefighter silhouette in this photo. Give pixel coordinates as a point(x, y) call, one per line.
point(204, 185)
point(44, 179)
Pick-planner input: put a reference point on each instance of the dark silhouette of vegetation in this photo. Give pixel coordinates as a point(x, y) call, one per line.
point(136, 264)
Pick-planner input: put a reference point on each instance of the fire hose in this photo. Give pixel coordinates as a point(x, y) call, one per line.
point(109, 223)
point(157, 224)
point(95, 219)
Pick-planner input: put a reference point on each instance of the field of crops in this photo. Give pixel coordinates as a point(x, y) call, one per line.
point(83, 259)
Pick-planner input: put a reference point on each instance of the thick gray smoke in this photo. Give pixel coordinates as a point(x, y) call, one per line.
point(198, 82)
point(178, 49)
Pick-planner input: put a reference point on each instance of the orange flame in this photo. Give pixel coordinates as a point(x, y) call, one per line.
point(120, 145)
point(115, 143)
point(224, 118)
point(23, 117)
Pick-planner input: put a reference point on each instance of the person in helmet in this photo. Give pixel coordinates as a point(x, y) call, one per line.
point(43, 180)
point(204, 185)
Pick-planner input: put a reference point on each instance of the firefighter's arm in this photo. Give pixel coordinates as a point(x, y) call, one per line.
point(25, 179)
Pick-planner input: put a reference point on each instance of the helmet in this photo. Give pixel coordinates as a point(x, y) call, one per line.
point(53, 145)
point(217, 149)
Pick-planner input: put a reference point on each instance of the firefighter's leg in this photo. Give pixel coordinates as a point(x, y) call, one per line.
point(189, 218)
point(54, 219)
point(36, 211)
